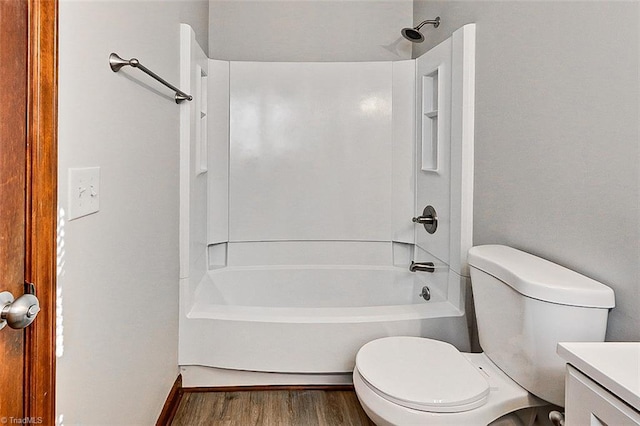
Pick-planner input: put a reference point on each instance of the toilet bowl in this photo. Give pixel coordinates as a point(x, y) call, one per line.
point(418, 381)
point(524, 306)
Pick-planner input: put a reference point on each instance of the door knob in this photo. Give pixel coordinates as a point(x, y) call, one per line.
point(20, 312)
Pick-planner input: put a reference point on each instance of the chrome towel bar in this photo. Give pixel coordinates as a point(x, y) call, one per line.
point(116, 63)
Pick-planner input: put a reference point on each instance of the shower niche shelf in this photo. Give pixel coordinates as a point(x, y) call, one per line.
point(430, 121)
point(202, 127)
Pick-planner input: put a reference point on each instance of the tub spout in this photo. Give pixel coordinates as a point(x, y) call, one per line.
point(422, 266)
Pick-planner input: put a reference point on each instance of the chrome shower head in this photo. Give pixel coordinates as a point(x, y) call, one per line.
point(414, 35)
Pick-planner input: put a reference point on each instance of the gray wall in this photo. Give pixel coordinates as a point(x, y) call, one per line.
point(118, 268)
point(557, 159)
point(326, 30)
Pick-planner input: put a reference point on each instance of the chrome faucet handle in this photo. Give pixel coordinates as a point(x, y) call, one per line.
point(424, 219)
point(429, 219)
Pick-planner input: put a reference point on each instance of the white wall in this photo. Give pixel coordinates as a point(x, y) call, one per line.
point(310, 151)
point(119, 272)
point(302, 30)
point(556, 163)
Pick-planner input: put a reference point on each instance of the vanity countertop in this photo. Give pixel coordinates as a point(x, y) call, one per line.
point(614, 365)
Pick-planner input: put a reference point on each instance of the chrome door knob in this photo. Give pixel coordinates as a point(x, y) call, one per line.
point(20, 312)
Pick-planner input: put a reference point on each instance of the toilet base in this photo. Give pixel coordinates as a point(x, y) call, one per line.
point(506, 396)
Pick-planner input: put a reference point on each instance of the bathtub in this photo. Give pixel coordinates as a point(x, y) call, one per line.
point(312, 319)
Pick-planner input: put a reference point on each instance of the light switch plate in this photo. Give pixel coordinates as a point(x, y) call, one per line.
point(84, 191)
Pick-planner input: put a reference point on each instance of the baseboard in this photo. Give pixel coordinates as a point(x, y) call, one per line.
point(171, 404)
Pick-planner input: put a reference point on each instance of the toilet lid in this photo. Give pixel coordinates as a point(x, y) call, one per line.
point(422, 374)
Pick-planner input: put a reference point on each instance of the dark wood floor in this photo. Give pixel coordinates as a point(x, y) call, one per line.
point(279, 407)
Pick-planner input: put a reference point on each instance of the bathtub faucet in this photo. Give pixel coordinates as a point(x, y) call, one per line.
point(422, 266)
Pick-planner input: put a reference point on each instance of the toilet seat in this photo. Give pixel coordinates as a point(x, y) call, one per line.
point(422, 374)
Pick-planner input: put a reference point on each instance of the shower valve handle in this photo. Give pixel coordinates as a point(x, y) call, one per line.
point(429, 219)
point(424, 219)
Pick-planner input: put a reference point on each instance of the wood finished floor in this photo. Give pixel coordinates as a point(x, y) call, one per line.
point(279, 407)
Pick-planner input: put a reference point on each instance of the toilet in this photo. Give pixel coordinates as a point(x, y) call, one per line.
point(524, 306)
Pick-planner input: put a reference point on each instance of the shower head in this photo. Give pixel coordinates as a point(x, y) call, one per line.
point(414, 35)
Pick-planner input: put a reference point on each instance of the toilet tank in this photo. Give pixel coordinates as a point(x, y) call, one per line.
point(525, 305)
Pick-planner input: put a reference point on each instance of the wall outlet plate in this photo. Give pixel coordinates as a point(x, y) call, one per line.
point(84, 191)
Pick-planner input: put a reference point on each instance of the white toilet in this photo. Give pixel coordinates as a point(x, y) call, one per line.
point(524, 306)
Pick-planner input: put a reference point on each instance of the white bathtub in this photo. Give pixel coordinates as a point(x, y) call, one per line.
point(311, 319)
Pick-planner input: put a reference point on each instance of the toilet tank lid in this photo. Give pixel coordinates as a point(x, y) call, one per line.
point(540, 279)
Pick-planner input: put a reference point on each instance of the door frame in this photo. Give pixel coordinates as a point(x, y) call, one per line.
point(41, 206)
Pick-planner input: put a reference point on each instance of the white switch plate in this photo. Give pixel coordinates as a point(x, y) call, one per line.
point(84, 191)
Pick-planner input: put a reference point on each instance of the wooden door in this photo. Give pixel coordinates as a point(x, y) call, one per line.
point(13, 134)
point(28, 186)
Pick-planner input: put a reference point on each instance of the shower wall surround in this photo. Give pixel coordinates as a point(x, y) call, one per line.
point(312, 150)
point(307, 152)
point(218, 153)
